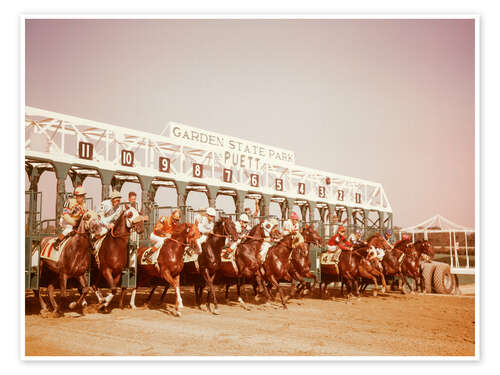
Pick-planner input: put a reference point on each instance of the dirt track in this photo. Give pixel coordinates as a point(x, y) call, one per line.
point(390, 324)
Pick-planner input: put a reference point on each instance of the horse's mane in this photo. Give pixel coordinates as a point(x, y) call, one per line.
point(402, 243)
point(252, 233)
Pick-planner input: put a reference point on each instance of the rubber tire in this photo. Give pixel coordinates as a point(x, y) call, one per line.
point(442, 280)
point(427, 274)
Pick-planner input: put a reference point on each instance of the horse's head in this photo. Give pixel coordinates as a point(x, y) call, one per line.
point(133, 220)
point(229, 228)
point(427, 251)
point(192, 234)
point(93, 224)
point(311, 235)
point(379, 242)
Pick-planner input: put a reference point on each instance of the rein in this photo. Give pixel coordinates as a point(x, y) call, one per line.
point(119, 236)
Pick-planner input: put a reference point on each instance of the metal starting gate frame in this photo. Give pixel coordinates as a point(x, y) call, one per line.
point(81, 148)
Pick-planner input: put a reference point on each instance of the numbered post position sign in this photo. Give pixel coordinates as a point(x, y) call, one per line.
point(302, 188)
point(127, 158)
point(227, 175)
point(358, 197)
point(278, 184)
point(340, 195)
point(321, 191)
point(85, 150)
point(164, 164)
point(254, 180)
point(197, 170)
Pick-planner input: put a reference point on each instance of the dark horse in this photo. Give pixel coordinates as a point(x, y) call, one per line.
point(209, 261)
point(170, 263)
point(249, 265)
point(277, 264)
point(414, 256)
point(113, 254)
point(356, 264)
point(73, 262)
point(300, 262)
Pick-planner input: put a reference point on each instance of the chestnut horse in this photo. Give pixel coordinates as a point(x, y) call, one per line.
point(209, 261)
point(113, 254)
point(415, 255)
point(277, 263)
point(300, 261)
point(73, 262)
point(249, 265)
point(170, 263)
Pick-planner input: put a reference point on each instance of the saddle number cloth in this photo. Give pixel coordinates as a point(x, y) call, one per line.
point(330, 258)
point(228, 256)
point(48, 251)
point(146, 260)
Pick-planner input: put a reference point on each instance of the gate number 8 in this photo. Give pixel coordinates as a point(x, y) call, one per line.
point(197, 170)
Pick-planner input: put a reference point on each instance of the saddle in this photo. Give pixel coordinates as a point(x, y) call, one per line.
point(48, 251)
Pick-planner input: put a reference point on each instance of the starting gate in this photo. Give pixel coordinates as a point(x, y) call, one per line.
point(185, 159)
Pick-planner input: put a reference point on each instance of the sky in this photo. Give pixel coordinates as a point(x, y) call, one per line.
point(390, 101)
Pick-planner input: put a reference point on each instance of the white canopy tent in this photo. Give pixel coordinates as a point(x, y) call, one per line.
point(439, 224)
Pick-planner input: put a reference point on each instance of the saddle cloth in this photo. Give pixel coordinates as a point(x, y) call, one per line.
point(145, 261)
point(48, 251)
point(191, 256)
point(330, 258)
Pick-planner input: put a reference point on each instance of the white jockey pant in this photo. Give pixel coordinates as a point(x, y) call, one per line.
point(158, 240)
point(331, 248)
point(264, 249)
point(67, 228)
point(201, 241)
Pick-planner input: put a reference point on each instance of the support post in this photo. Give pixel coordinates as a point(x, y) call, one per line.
point(350, 225)
point(212, 195)
point(331, 224)
point(312, 208)
point(264, 204)
point(106, 177)
point(283, 209)
point(61, 170)
point(182, 193)
point(289, 204)
point(117, 184)
point(366, 213)
point(146, 190)
point(381, 222)
point(239, 202)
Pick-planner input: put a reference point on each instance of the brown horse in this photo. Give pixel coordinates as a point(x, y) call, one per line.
point(393, 259)
point(415, 255)
point(73, 262)
point(277, 263)
point(249, 265)
point(170, 263)
point(113, 254)
point(300, 261)
point(209, 262)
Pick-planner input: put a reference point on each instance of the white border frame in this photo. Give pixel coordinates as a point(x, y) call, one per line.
point(330, 16)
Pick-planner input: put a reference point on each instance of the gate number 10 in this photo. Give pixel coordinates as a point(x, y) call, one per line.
point(127, 158)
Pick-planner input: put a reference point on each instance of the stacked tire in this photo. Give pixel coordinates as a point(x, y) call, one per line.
point(438, 278)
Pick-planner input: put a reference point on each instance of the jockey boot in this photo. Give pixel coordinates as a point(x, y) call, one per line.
point(58, 241)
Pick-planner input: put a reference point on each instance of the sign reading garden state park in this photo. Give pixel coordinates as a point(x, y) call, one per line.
point(237, 152)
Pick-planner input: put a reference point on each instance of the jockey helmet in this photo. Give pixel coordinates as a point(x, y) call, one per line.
point(388, 231)
point(244, 218)
point(210, 211)
point(294, 216)
point(358, 231)
point(115, 194)
point(79, 190)
point(341, 229)
point(176, 215)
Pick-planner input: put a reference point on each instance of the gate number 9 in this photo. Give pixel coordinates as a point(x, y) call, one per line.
point(164, 164)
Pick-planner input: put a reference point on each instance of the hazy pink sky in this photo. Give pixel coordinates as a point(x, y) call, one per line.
point(386, 100)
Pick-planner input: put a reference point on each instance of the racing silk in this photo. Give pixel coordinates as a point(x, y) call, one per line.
point(108, 213)
point(204, 225)
point(338, 241)
point(72, 211)
point(164, 226)
point(289, 227)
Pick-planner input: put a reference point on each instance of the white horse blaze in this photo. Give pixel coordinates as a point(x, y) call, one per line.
point(179, 299)
point(132, 299)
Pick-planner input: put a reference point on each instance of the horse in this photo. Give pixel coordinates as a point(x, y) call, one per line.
point(393, 258)
point(209, 261)
point(112, 256)
point(277, 262)
point(170, 263)
point(300, 261)
point(248, 263)
point(415, 255)
point(73, 262)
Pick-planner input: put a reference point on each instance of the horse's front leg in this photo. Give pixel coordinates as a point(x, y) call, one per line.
point(63, 280)
point(167, 276)
point(82, 279)
point(209, 280)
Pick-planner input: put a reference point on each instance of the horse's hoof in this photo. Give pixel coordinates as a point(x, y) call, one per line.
point(216, 312)
point(383, 290)
point(133, 307)
point(45, 313)
point(178, 313)
point(284, 307)
point(374, 293)
point(56, 314)
point(72, 305)
point(358, 299)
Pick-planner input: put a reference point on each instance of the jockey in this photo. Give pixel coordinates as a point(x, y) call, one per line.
point(74, 209)
point(388, 235)
point(291, 226)
point(110, 210)
point(242, 228)
point(339, 241)
point(205, 224)
point(163, 230)
point(268, 226)
point(355, 238)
